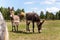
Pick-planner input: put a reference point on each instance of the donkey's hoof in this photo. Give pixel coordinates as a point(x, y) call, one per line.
point(29, 30)
point(12, 30)
point(39, 32)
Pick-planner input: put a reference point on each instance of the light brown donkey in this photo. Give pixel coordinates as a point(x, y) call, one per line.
point(14, 20)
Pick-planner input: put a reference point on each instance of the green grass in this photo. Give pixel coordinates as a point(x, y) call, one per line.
point(50, 31)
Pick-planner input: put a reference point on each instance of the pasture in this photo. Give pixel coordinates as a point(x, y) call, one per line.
point(50, 31)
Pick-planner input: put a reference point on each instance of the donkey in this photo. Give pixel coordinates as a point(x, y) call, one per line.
point(22, 16)
point(3, 29)
point(14, 20)
point(34, 18)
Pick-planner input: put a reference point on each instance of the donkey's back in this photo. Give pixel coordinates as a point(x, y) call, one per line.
point(32, 17)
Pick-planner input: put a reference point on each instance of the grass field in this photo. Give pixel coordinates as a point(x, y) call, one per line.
point(50, 31)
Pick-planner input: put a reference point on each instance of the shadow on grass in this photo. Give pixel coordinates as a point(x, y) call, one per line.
point(25, 32)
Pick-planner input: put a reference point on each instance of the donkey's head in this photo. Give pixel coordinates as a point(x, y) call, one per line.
point(39, 24)
point(11, 11)
point(3, 29)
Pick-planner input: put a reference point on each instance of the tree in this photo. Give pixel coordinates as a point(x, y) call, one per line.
point(18, 11)
point(51, 16)
point(23, 10)
point(2, 11)
point(47, 15)
point(58, 15)
point(42, 15)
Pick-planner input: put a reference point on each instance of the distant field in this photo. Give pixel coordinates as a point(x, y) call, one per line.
point(50, 31)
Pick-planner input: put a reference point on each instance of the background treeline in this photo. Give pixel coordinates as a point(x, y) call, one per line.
point(50, 15)
point(47, 15)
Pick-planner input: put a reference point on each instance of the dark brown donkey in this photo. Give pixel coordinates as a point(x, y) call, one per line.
point(34, 18)
point(14, 20)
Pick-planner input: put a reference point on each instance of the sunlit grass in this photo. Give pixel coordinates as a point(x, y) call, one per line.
point(50, 31)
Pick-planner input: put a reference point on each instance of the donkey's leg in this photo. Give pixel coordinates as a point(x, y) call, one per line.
point(27, 26)
point(33, 26)
point(39, 28)
point(17, 27)
point(12, 25)
point(14, 28)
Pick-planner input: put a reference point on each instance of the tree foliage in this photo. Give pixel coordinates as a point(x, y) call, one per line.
point(42, 15)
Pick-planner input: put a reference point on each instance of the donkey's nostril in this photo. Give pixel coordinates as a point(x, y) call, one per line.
point(10, 15)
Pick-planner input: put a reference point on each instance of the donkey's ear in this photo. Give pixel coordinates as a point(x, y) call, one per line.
point(8, 8)
point(12, 8)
